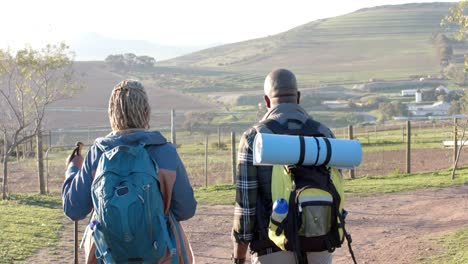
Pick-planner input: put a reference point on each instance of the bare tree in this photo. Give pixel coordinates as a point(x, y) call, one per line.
point(462, 138)
point(459, 19)
point(30, 80)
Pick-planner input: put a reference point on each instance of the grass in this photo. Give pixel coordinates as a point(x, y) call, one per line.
point(28, 223)
point(421, 137)
point(216, 194)
point(405, 182)
point(453, 247)
point(225, 194)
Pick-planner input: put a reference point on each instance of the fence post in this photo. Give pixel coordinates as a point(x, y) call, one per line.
point(367, 133)
point(5, 168)
point(47, 160)
point(351, 136)
point(233, 156)
point(402, 134)
point(173, 129)
point(408, 147)
point(455, 141)
point(206, 160)
point(219, 137)
point(75, 250)
point(40, 162)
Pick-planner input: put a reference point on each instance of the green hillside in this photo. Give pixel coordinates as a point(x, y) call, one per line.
point(387, 42)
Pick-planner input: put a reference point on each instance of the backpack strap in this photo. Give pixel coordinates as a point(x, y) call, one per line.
point(309, 128)
point(312, 125)
point(329, 151)
point(275, 126)
point(302, 151)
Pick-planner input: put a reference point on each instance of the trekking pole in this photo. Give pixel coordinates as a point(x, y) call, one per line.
point(76, 242)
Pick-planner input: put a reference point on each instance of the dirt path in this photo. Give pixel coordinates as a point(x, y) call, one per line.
point(386, 228)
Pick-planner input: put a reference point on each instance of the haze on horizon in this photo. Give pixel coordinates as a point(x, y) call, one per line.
point(177, 27)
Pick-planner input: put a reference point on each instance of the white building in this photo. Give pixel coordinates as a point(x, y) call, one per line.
point(418, 96)
point(438, 108)
point(443, 89)
point(409, 92)
point(337, 104)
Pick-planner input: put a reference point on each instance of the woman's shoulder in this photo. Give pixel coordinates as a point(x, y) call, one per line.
point(165, 155)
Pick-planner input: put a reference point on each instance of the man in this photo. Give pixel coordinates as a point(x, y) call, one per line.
point(253, 183)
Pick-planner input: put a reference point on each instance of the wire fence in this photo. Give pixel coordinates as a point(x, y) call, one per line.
point(208, 154)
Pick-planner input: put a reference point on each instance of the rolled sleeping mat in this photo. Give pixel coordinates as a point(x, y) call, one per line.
point(273, 149)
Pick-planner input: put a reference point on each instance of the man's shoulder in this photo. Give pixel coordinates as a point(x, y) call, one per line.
point(249, 135)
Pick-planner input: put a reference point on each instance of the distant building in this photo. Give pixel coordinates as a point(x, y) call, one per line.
point(337, 104)
point(418, 96)
point(438, 108)
point(409, 92)
point(443, 89)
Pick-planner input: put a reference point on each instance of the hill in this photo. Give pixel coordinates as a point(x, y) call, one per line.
point(386, 42)
point(88, 107)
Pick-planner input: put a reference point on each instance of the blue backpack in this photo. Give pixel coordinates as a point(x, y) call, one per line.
point(129, 223)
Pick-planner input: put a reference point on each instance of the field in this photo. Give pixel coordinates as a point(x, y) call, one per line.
point(88, 107)
point(388, 42)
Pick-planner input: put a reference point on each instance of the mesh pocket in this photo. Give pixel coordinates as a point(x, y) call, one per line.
point(316, 218)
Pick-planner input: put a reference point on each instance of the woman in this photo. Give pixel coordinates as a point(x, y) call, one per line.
point(129, 115)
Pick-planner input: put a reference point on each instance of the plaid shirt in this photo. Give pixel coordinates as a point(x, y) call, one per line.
point(246, 190)
point(248, 175)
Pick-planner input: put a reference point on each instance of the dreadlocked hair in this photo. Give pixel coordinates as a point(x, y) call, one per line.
point(129, 106)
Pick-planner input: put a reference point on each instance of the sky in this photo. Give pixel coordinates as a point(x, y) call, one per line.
point(168, 22)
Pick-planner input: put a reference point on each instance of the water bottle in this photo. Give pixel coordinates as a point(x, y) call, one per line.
point(280, 210)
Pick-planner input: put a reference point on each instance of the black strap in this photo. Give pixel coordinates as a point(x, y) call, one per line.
point(318, 151)
point(329, 151)
point(139, 260)
point(311, 128)
point(348, 238)
point(302, 150)
point(274, 126)
point(293, 234)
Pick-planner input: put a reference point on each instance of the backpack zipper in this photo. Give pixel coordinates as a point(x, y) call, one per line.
point(148, 207)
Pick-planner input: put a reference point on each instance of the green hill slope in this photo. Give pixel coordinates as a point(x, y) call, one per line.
point(387, 42)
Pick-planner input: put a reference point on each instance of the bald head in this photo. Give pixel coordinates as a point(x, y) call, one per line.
point(281, 87)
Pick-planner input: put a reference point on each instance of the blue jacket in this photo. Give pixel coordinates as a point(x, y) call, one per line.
point(76, 190)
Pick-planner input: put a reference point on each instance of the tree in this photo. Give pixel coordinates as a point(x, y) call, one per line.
point(191, 121)
point(129, 61)
point(30, 80)
point(145, 62)
point(459, 20)
point(390, 109)
point(116, 61)
point(443, 48)
point(456, 73)
point(455, 108)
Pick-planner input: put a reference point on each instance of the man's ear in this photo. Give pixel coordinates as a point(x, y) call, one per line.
point(298, 97)
point(267, 101)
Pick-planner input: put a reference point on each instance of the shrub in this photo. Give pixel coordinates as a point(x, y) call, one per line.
point(221, 145)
